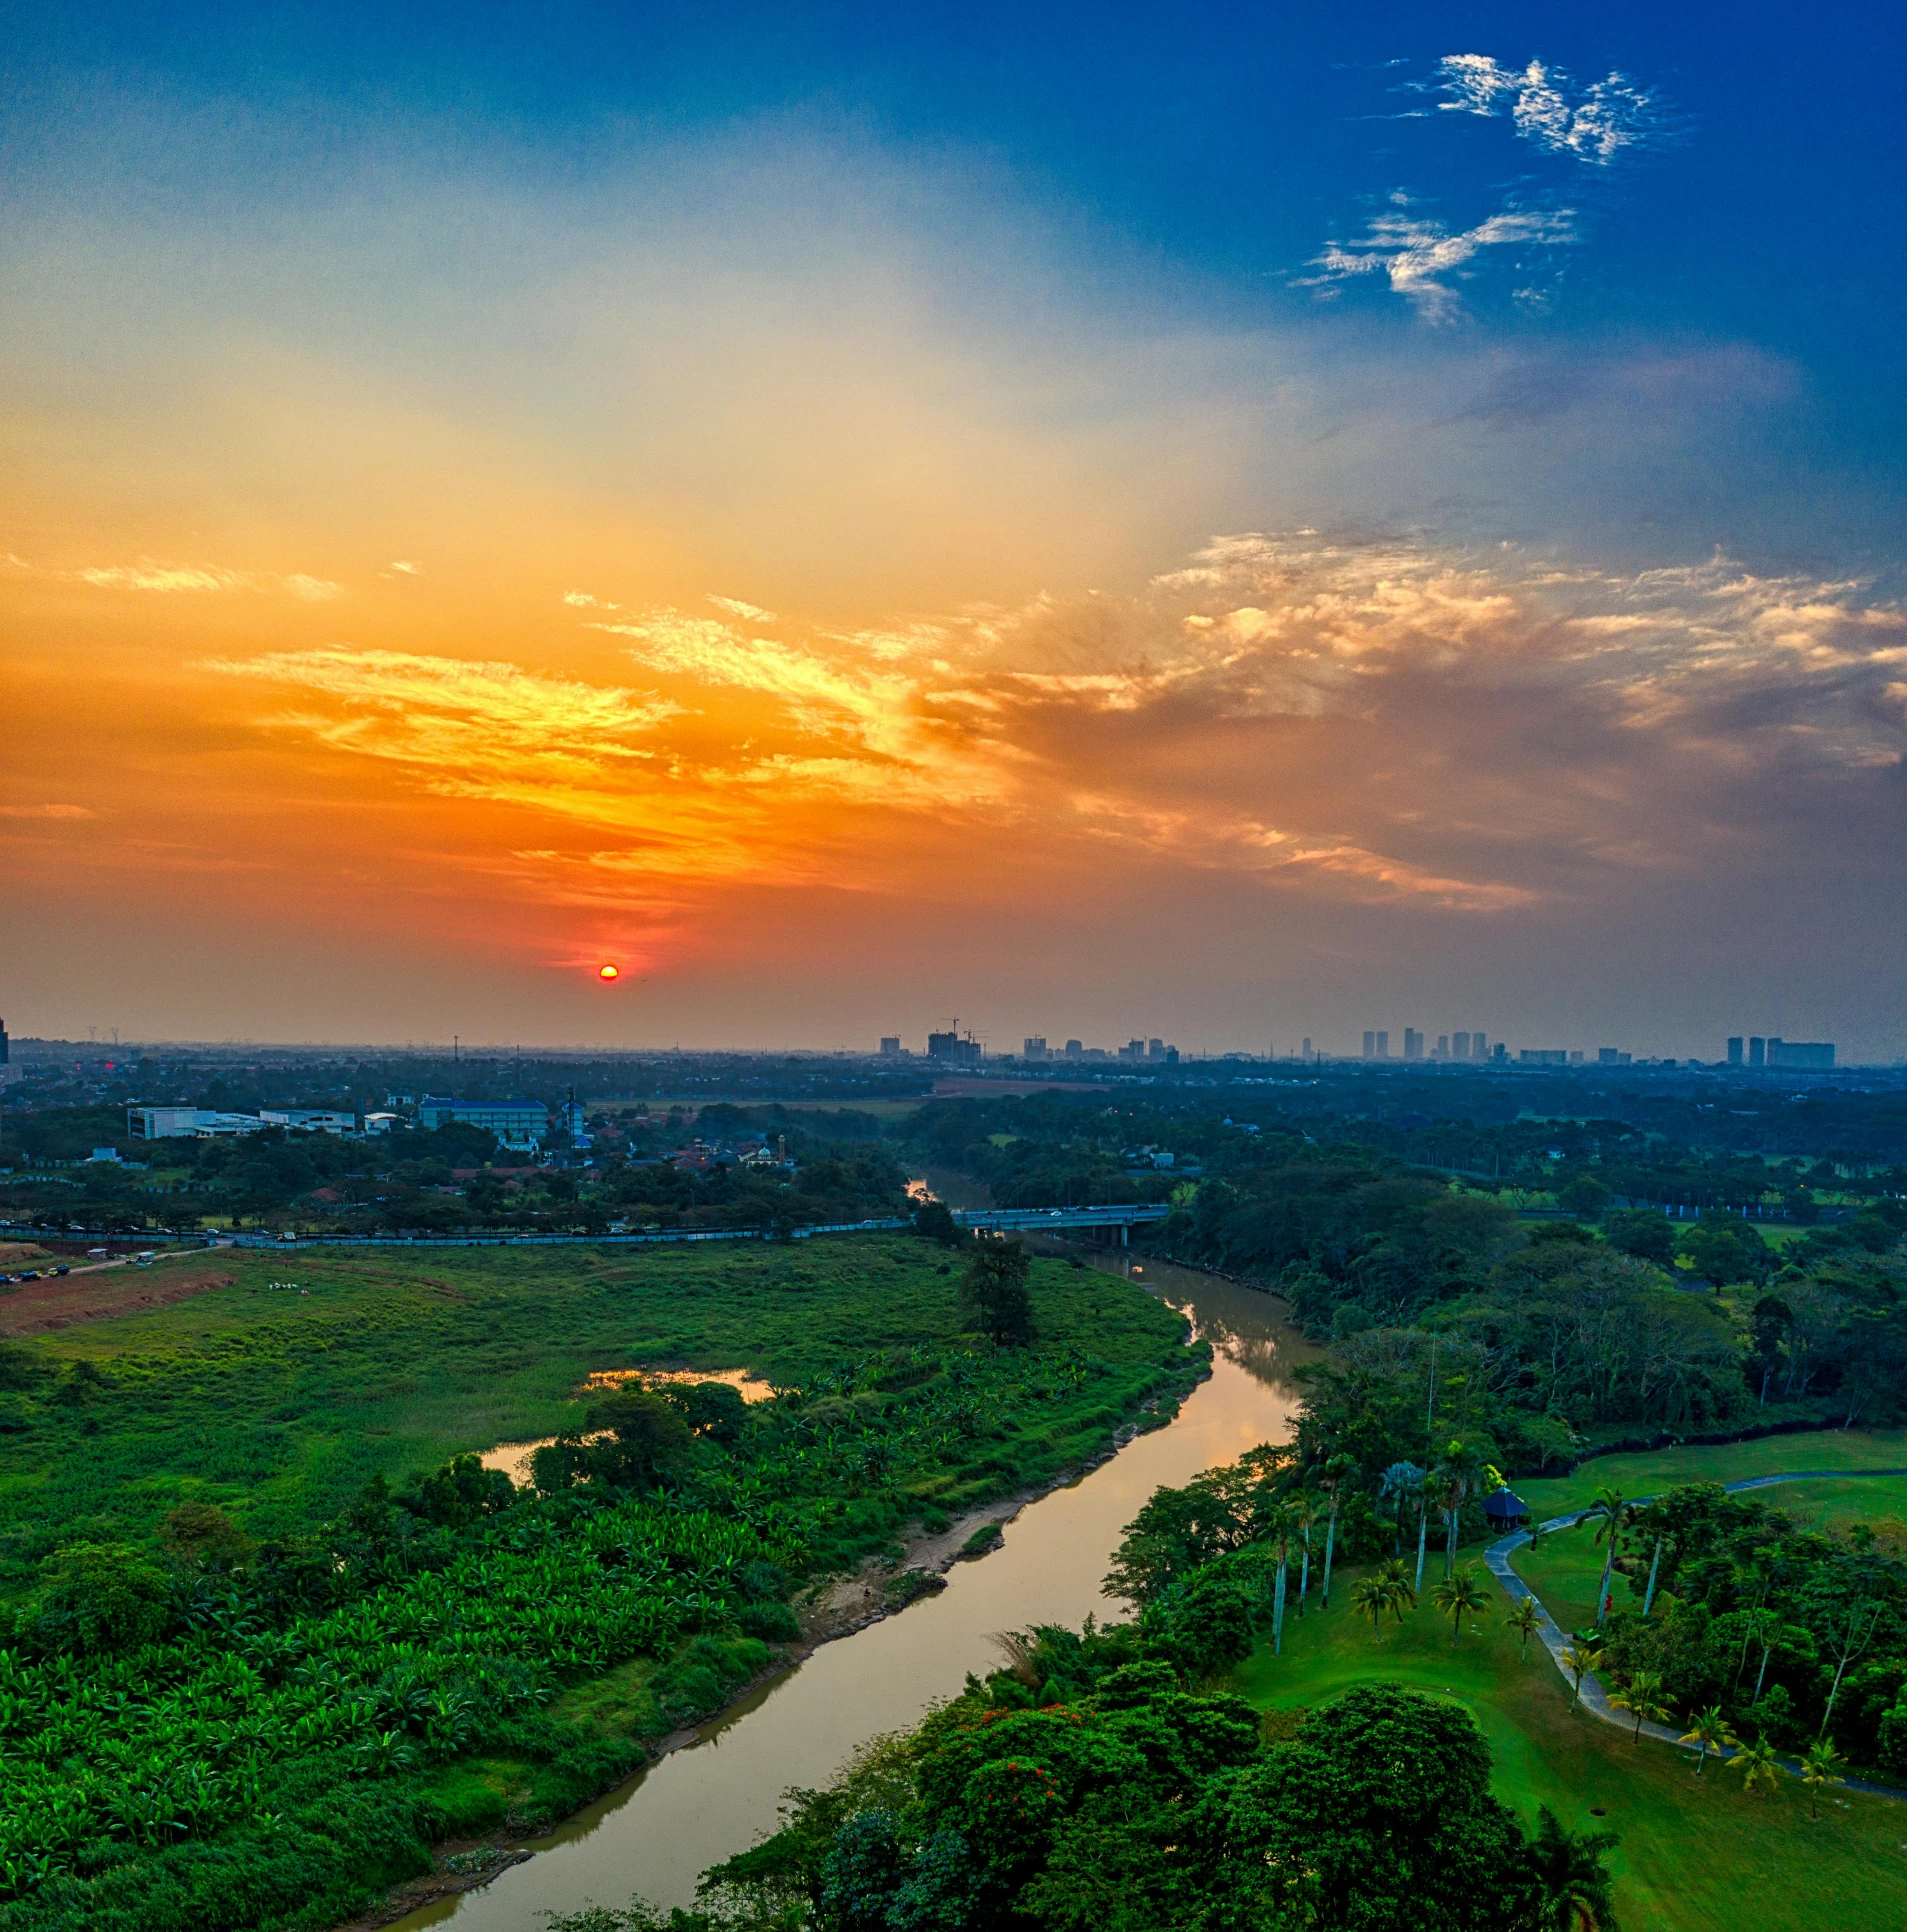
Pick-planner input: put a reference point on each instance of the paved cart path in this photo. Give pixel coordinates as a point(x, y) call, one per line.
point(1556, 1640)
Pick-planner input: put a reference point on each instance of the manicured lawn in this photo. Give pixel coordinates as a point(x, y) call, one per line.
point(1655, 1470)
point(1697, 1855)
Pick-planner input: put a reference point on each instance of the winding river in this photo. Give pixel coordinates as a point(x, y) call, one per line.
point(657, 1833)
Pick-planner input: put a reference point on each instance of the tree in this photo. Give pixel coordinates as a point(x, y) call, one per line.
point(462, 1490)
point(1709, 1732)
point(1643, 1699)
point(1576, 1893)
point(1642, 1233)
point(1454, 1478)
point(644, 1440)
point(1402, 1481)
point(1585, 1197)
point(100, 1596)
point(1458, 1595)
point(1610, 1515)
point(1304, 1509)
point(1579, 1660)
point(994, 1293)
point(1760, 1768)
point(933, 1221)
point(1379, 1815)
point(1523, 1616)
point(1336, 1473)
point(1282, 1528)
point(1822, 1767)
point(1371, 1597)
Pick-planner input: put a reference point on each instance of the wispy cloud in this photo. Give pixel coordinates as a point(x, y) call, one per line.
point(163, 577)
point(46, 811)
point(1373, 722)
point(1597, 124)
point(1420, 257)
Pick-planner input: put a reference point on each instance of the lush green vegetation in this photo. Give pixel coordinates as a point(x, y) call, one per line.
point(278, 1651)
point(1692, 1849)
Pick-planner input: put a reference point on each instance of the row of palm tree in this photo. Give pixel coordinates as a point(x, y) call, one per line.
point(1459, 1595)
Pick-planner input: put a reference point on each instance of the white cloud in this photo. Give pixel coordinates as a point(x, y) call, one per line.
point(163, 577)
point(313, 590)
point(407, 566)
point(1595, 124)
point(1420, 255)
point(735, 607)
point(45, 811)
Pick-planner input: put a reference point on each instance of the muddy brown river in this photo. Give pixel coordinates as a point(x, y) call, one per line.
point(656, 1834)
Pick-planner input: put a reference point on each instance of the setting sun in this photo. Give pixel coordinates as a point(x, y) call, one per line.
point(609, 972)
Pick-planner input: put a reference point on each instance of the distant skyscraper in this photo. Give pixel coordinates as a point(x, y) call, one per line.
point(1757, 1050)
point(1479, 1047)
point(1307, 1049)
point(1815, 1054)
point(1443, 1046)
point(1459, 1046)
point(1036, 1048)
point(1413, 1044)
point(1155, 1049)
point(1370, 1045)
point(1073, 1049)
point(1383, 1043)
point(890, 1046)
point(1734, 1049)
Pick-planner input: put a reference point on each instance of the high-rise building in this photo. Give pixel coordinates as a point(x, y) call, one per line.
point(1155, 1049)
point(3, 1043)
point(1443, 1047)
point(1480, 1049)
point(1073, 1049)
point(1611, 1057)
point(1413, 1044)
point(954, 1050)
point(890, 1046)
point(1370, 1044)
point(1383, 1043)
point(1815, 1055)
point(1035, 1048)
point(1459, 1046)
point(1306, 1055)
point(1757, 1050)
point(1734, 1049)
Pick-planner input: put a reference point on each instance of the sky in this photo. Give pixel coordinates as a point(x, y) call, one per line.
point(1214, 522)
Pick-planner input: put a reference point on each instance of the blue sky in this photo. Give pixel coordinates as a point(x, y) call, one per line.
point(1197, 155)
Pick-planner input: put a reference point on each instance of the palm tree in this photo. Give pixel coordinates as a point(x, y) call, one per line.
point(1709, 1732)
point(1820, 1768)
point(1337, 1472)
point(1643, 1698)
point(1523, 1616)
point(1578, 1894)
point(1609, 1513)
point(1371, 1597)
point(1579, 1660)
point(1458, 1595)
point(1304, 1510)
point(1403, 1593)
point(1401, 1481)
point(1759, 1766)
point(1453, 1479)
point(1281, 1527)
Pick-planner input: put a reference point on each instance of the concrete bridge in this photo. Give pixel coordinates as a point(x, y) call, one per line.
point(1120, 1220)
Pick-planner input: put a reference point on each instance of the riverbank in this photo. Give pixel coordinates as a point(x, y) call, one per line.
point(718, 1785)
point(843, 1607)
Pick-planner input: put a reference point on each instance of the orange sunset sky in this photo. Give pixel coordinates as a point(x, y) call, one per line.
point(849, 582)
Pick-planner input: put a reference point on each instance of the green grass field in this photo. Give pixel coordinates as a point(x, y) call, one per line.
point(278, 1403)
point(1697, 1854)
point(1650, 1472)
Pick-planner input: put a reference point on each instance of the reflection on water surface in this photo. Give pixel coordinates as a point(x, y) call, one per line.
point(657, 1833)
